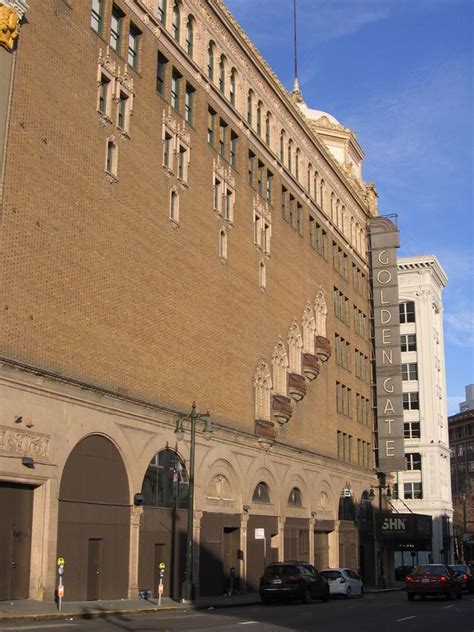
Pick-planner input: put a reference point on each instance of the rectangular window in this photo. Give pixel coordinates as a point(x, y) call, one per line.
point(339, 444)
point(260, 171)
point(123, 114)
point(218, 195)
point(133, 44)
point(321, 241)
point(116, 24)
point(407, 312)
point(175, 87)
point(167, 150)
point(233, 149)
point(284, 202)
point(299, 218)
point(183, 163)
point(409, 372)
point(97, 16)
point(291, 211)
point(189, 103)
point(408, 342)
point(266, 237)
point(229, 204)
point(211, 123)
point(413, 491)
point(413, 461)
point(269, 185)
point(222, 137)
point(250, 168)
point(105, 96)
point(161, 67)
point(412, 430)
point(410, 401)
point(257, 228)
point(162, 11)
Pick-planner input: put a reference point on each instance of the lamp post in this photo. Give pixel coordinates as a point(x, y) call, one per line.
point(187, 587)
point(378, 542)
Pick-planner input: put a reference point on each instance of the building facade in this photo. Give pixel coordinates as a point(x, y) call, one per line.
point(175, 227)
point(425, 486)
point(468, 404)
point(461, 440)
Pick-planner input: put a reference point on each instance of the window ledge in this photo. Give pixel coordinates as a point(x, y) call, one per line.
point(123, 133)
point(224, 260)
point(174, 223)
point(111, 177)
point(105, 120)
point(169, 172)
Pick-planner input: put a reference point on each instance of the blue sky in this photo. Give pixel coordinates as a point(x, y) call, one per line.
point(400, 74)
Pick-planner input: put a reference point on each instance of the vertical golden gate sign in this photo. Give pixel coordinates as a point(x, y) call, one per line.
point(384, 241)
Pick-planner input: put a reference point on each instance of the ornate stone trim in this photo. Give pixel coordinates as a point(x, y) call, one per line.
point(25, 443)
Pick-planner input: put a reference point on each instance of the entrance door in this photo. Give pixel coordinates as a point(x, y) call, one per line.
point(94, 569)
point(231, 545)
point(16, 502)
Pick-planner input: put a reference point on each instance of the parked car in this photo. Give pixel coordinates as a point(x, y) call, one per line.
point(433, 579)
point(466, 576)
point(343, 581)
point(293, 580)
point(402, 571)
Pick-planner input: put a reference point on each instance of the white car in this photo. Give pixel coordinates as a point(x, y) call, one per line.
point(343, 581)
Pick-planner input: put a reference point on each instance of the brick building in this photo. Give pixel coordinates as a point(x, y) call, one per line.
point(175, 227)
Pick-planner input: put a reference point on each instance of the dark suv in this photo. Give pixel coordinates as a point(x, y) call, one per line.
point(290, 580)
point(463, 571)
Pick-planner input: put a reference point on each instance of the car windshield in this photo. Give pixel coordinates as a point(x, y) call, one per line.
point(331, 574)
point(433, 569)
point(281, 571)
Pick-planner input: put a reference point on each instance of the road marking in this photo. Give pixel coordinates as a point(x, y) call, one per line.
point(406, 618)
point(40, 626)
point(246, 622)
point(451, 606)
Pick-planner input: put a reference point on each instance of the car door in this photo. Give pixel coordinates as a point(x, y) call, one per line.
point(319, 584)
point(354, 581)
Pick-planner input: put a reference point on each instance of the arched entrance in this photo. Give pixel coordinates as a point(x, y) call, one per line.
point(94, 522)
point(163, 525)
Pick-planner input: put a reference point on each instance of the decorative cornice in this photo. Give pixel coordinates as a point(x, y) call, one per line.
point(24, 443)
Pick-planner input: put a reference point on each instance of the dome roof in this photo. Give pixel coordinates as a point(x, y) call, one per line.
point(315, 115)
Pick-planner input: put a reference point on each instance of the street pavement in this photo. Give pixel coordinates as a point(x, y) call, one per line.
point(376, 612)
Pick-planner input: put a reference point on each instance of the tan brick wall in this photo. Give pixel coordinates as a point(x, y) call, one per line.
point(99, 285)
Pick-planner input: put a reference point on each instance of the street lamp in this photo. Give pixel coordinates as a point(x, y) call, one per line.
point(378, 542)
point(187, 588)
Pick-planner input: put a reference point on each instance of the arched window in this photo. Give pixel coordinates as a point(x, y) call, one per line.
point(290, 151)
point(223, 244)
point(262, 382)
point(233, 74)
point(262, 275)
point(310, 179)
point(166, 482)
point(282, 146)
point(295, 499)
point(210, 61)
point(111, 156)
point(261, 494)
point(297, 164)
point(190, 36)
point(321, 195)
point(259, 118)
point(332, 205)
point(280, 366)
point(219, 488)
point(343, 219)
point(250, 107)
point(174, 206)
point(176, 24)
point(222, 74)
point(268, 121)
point(316, 186)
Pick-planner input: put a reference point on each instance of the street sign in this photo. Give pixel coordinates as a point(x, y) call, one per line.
point(60, 561)
point(160, 589)
point(260, 534)
point(162, 566)
point(61, 591)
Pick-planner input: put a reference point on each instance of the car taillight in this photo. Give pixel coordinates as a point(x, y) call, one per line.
point(293, 578)
point(465, 578)
point(409, 578)
point(443, 578)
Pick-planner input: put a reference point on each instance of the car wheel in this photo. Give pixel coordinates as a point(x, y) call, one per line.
point(411, 596)
point(450, 594)
point(325, 596)
point(306, 596)
point(348, 593)
point(362, 593)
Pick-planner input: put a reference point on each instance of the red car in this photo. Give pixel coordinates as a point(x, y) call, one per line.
point(433, 579)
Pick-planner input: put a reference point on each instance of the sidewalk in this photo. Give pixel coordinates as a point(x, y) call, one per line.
point(29, 610)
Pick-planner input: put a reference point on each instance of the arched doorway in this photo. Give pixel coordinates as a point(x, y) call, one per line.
point(163, 526)
point(94, 522)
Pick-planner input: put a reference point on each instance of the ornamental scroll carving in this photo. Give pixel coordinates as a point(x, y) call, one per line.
point(24, 443)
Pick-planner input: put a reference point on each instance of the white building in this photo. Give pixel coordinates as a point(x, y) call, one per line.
point(425, 486)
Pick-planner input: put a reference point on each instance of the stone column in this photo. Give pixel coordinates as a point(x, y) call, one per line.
point(135, 517)
point(281, 538)
point(197, 517)
point(333, 541)
point(311, 524)
point(244, 518)
point(44, 541)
